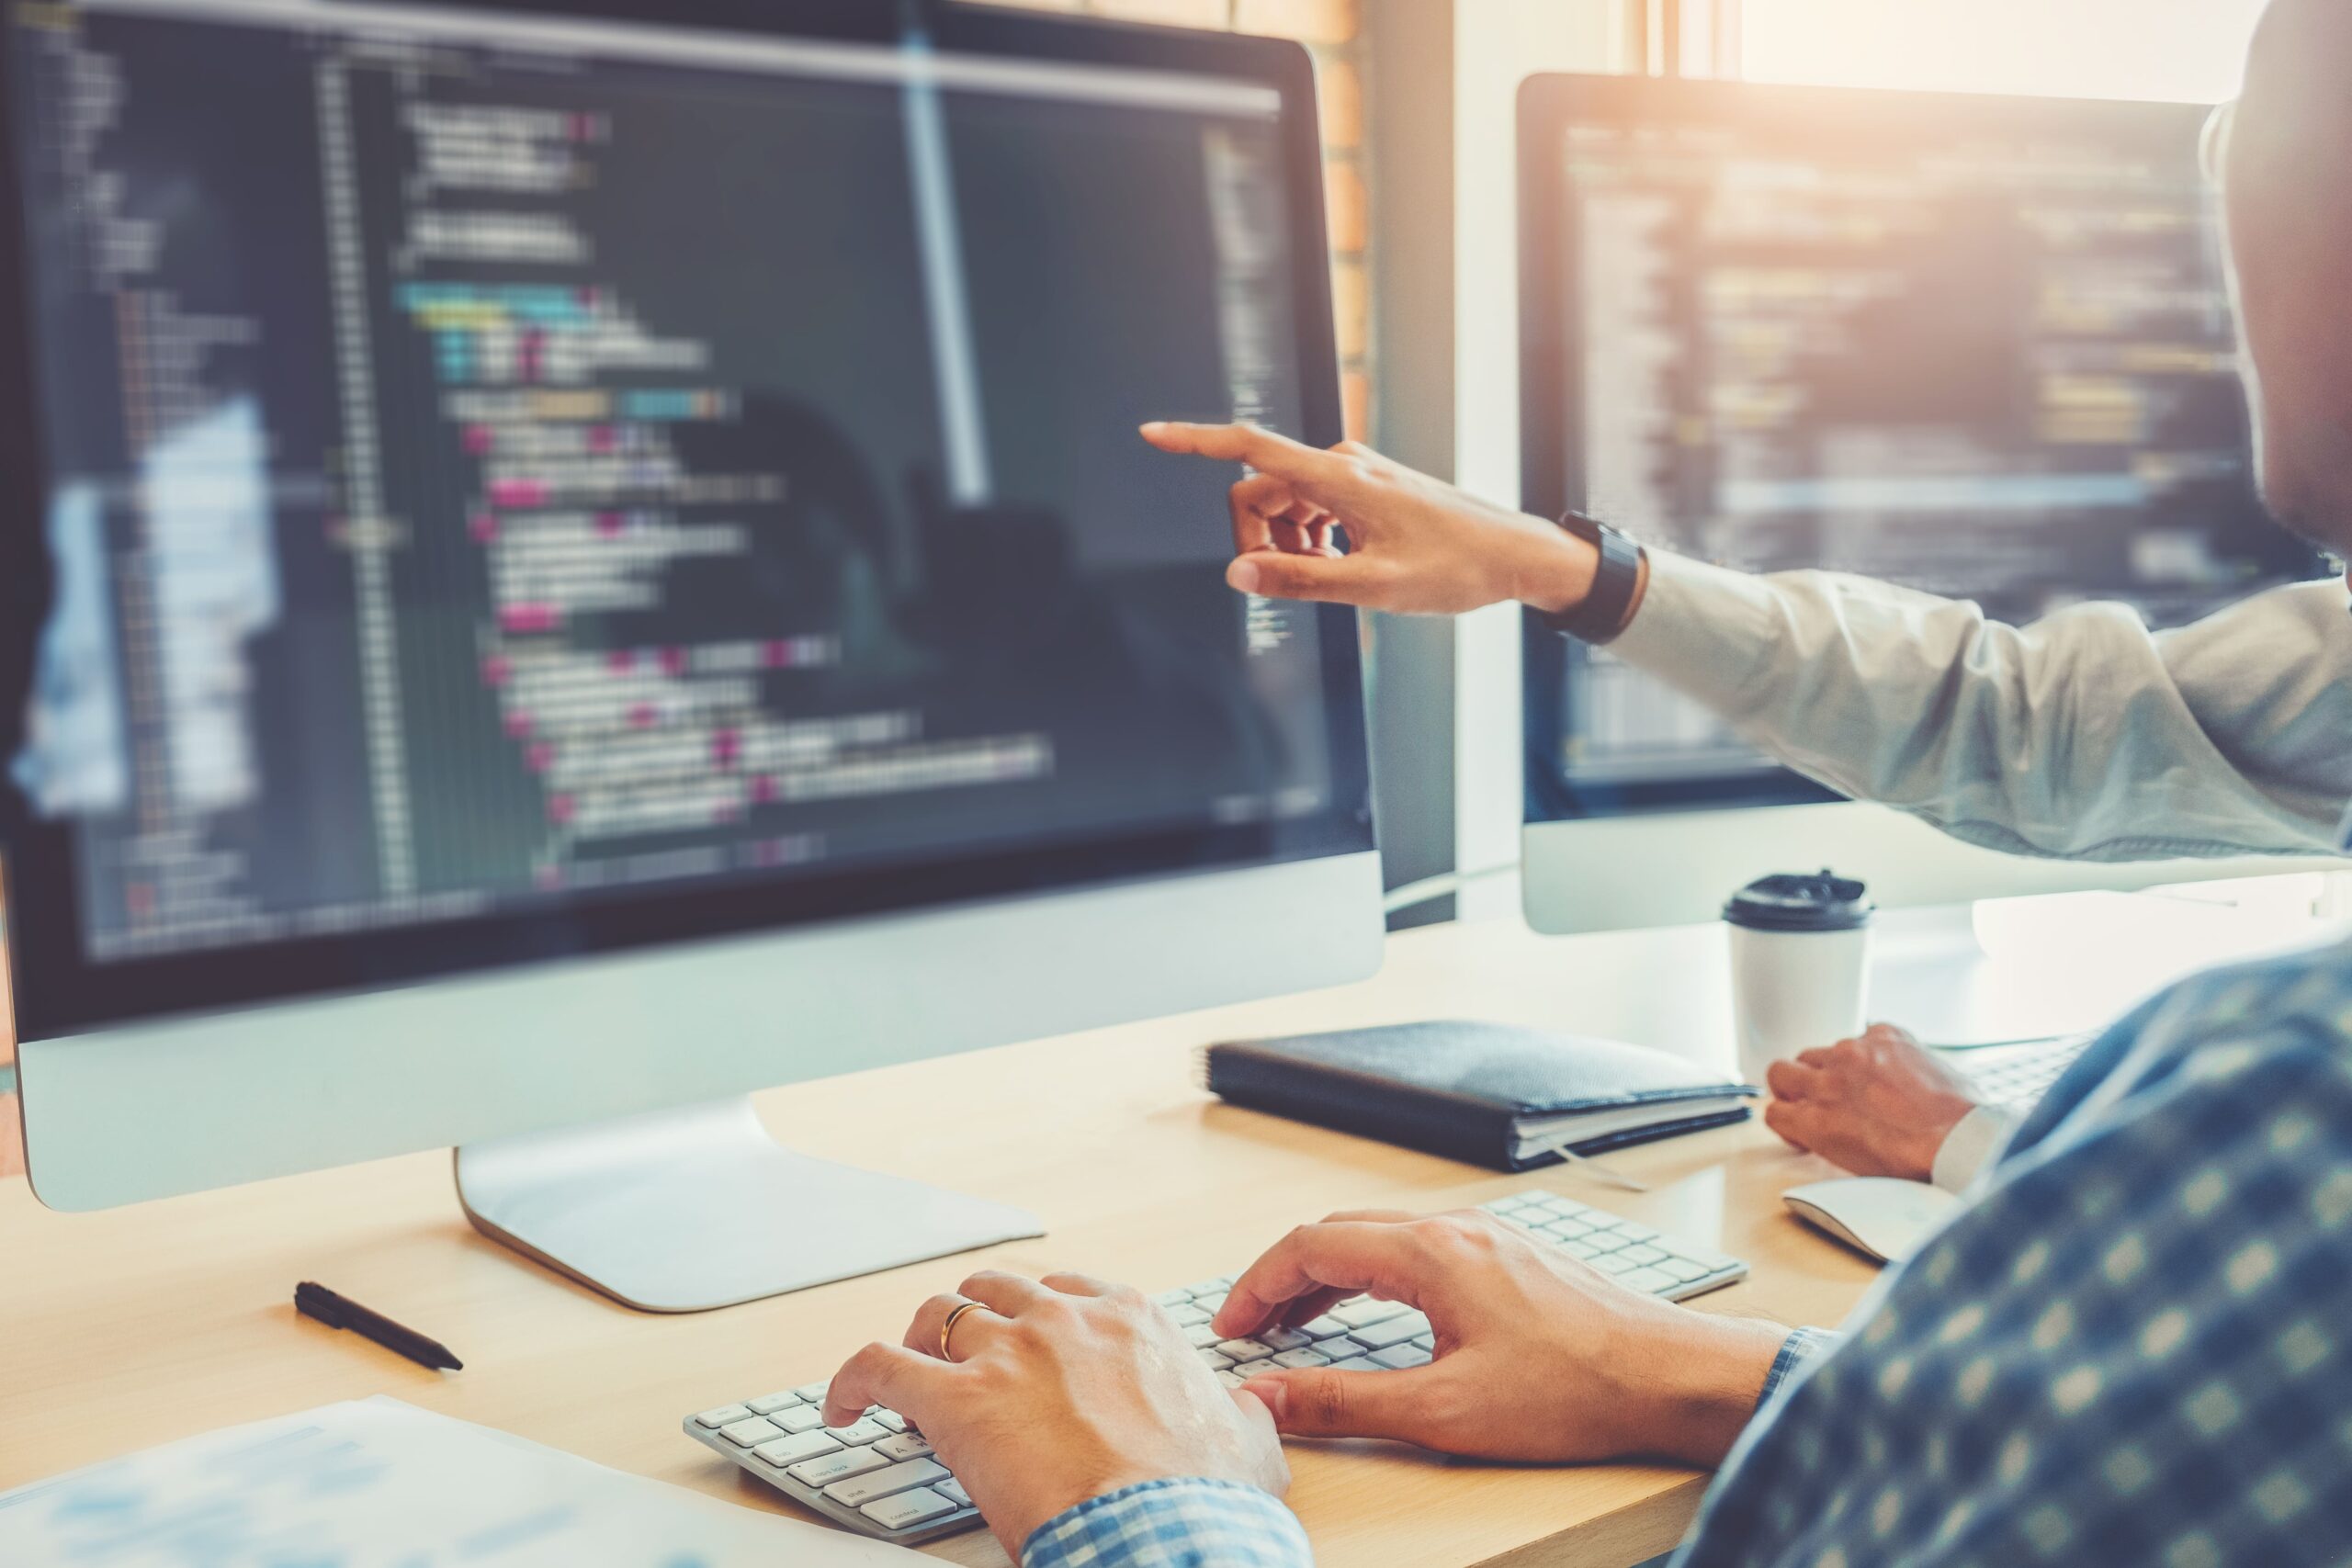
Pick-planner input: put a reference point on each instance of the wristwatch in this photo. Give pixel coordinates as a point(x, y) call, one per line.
point(1608, 605)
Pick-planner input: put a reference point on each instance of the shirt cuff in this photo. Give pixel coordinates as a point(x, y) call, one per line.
point(1702, 629)
point(1196, 1523)
point(1799, 1352)
point(1970, 1147)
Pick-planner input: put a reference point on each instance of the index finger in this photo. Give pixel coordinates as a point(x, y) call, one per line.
point(1353, 1254)
point(893, 1377)
point(1261, 449)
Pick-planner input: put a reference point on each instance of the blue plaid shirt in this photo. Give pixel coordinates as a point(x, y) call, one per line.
point(2134, 1345)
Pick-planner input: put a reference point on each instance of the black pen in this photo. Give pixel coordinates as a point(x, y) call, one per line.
point(318, 1302)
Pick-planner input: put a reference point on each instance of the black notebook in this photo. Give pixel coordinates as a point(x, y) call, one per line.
point(1491, 1094)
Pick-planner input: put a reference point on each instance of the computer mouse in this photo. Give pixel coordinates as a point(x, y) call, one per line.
point(1879, 1215)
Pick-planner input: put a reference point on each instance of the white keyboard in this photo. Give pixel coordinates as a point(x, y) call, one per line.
point(2018, 1076)
point(878, 1478)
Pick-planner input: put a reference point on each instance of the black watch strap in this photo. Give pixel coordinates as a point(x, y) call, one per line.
point(1608, 604)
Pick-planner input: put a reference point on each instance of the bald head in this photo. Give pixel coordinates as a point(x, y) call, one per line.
point(2286, 167)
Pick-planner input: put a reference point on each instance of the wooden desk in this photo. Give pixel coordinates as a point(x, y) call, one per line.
point(126, 1330)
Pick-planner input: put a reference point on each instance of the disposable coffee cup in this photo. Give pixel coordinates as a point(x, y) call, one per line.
point(1799, 965)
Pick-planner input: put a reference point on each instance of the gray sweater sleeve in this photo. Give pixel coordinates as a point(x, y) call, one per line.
point(2084, 736)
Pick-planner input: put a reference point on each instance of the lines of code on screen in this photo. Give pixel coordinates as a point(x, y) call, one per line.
point(1997, 368)
point(490, 465)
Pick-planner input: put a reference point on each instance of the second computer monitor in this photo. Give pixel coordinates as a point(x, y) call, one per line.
point(1976, 346)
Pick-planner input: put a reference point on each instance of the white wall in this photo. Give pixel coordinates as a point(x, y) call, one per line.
point(2185, 51)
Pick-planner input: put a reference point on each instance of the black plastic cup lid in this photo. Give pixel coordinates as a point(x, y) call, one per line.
point(1823, 901)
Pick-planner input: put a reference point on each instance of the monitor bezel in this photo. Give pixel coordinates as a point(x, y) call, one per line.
point(60, 991)
point(1552, 394)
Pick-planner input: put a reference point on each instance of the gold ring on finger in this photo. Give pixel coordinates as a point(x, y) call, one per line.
point(947, 1327)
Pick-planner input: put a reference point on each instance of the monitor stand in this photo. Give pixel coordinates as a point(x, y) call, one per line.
point(697, 1207)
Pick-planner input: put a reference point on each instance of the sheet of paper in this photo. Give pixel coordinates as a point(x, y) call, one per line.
point(378, 1483)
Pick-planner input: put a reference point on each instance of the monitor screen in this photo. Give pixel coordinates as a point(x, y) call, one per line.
point(1978, 346)
point(515, 486)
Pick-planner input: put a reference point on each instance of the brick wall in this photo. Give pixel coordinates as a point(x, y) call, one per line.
point(1331, 29)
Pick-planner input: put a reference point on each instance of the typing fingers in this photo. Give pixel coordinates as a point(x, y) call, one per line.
point(892, 1376)
point(1346, 1256)
point(974, 1330)
point(1007, 1294)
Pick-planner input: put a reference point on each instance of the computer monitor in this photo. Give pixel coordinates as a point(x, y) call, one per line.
point(1976, 346)
point(602, 561)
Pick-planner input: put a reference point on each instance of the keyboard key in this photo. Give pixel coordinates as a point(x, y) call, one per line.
point(859, 1432)
point(1229, 1379)
point(1244, 1350)
point(1259, 1368)
point(814, 1393)
point(1645, 1254)
point(1395, 1331)
point(906, 1445)
point(876, 1485)
point(1650, 1279)
point(908, 1509)
point(1427, 1342)
point(953, 1490)
point(890, 1418)
point(1187, 1314)
point(1633, 1230)
point(752, 1433)
point(1212, 1303)
point(1583, 1250)
point(1213, 1362)
point(1365, 1310)
point(1614, 1263)
point(1684, 1270)
point(1302, 1358)
point(823, 1472)
point(769, 1403)
point(1600, 1241)
point(725, 1415)
point(785, 1451)
point(1324, 1327)
point(798, 1419)
point(1279, 1339)
point(1201, 1335)
point(1396, 1358)
point(1173, 1298)
point(1358, 1364)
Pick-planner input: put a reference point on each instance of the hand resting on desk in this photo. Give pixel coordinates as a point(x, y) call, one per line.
point(1878, 1105)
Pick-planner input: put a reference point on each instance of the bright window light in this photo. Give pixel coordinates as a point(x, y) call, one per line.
point(2182, 50)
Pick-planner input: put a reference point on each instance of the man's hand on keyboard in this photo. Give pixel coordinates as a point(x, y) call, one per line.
point(1060, 1390)
point(1879, 1105)
point(1538, 1358)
